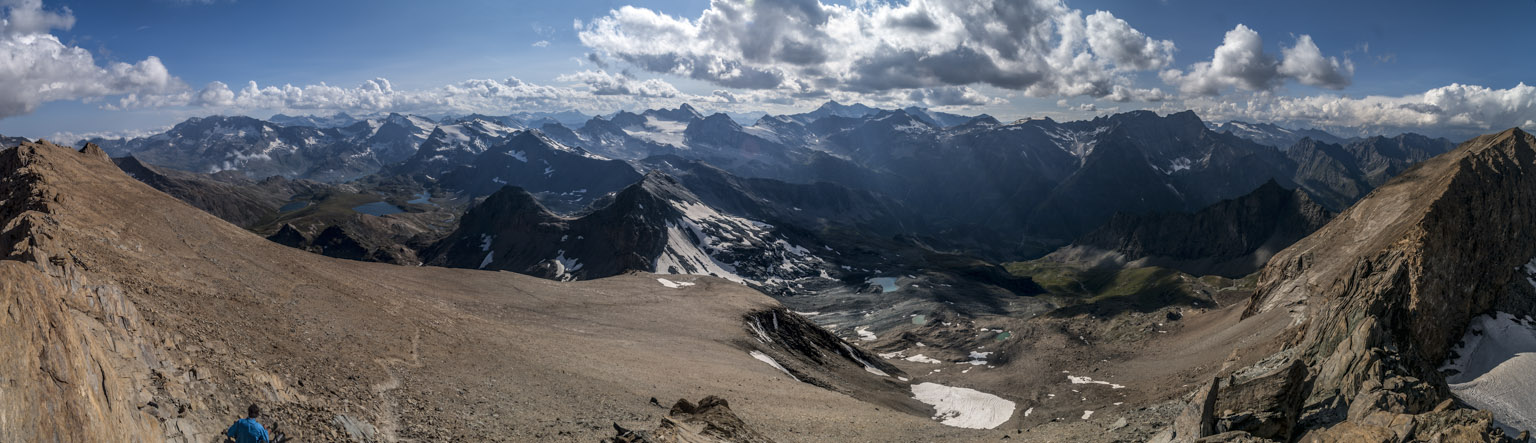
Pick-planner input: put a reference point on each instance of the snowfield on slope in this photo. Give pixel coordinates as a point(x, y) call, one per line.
point(1496, 369)
point(706, 242)
point(964, 407)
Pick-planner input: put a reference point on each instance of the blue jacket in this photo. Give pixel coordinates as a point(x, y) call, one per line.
point(248, 431)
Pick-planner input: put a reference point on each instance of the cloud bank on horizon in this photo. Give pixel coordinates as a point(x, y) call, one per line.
point(747, 55)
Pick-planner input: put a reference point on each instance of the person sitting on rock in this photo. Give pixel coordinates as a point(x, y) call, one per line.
point(247, 430)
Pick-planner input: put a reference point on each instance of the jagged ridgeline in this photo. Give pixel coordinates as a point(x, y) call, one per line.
point(1028, 186)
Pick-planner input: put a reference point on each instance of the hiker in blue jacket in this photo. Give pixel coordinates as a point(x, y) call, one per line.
point(247, 430)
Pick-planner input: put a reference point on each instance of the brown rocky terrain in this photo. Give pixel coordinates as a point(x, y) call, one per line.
point(133, 316)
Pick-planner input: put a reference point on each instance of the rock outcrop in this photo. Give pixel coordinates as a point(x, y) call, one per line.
point(709, 421)
point(1379, 295)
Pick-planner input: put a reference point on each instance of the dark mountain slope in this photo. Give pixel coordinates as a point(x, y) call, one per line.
point(235, 199)
point(1329, 172)
point(1340, 174)
point(1230, 238)
point(1115, 178)
point(655, 225)
point(566, 178)
point(814, 206)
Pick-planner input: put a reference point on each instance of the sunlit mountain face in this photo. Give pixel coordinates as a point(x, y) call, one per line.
point(766, 221)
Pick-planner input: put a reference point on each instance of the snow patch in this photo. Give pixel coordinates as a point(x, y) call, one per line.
point(770, 361)
point(681, 256)
point(565, 266)
point(1179, 164)
point(867, 367)
point(920, 358)
point(674, 284)
point(964, 407)
point(864, 333)
point(1076, 380)
point(486, 261)
point(757, 328)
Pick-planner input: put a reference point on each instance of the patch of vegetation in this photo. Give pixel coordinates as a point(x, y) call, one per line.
point(326, 206)
point(1109, 288)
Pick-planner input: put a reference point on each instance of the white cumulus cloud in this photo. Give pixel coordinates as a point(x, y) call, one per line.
point(951, 96)
point(1453, 109)
point(1241, 62)
point(1116, 40)
point(603, 83)
point(1040, 47)
point(1305, 63)
point(35, 67)
point(600, 91)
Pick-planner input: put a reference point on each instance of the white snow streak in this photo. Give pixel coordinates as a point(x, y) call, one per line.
point(1085, 380)
point(769, 360)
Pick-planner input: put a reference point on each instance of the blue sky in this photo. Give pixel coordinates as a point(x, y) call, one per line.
point(1377, 66)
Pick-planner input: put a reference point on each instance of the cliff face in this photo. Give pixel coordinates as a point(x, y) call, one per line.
point(1379, 295)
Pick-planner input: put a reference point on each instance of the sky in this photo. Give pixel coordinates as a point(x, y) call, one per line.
point(131, 67)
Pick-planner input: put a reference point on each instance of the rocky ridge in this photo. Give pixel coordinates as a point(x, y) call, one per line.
point(1380, 295)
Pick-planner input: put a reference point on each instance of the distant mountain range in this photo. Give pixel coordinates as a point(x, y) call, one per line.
point(969, 184)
